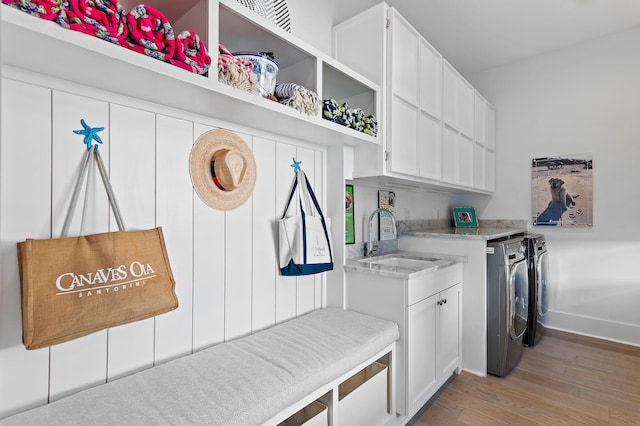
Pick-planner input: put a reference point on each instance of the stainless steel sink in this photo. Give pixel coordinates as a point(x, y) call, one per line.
point(402, 261)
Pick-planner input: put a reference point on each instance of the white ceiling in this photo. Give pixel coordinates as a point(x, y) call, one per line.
point(476, 35)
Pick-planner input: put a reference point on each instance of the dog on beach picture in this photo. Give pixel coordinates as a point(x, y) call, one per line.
point(561, 200)
point(562, 190)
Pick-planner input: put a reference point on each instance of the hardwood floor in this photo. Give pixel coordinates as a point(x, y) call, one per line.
point(565, 379)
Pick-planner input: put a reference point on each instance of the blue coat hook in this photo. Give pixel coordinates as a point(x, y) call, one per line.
point(90, 135)
point(296, 165)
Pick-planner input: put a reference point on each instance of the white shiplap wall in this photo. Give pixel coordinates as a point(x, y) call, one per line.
point(224, 263)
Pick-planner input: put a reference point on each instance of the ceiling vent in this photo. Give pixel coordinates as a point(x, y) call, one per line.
point(274, 10)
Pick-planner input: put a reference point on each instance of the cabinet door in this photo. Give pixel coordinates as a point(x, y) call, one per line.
point(429, 143)
point(421, 349)
point(490, 126)
point(490, 170)
point(450, 156)
point(404, 97)
point(403, 138)
point(450, 94)
point(430, 80)
point(465, 159)
point(429, 146)
point(466, 95)
point(490, 144)
point(484, 137)
point(479, 118)
point(478, 166)
point(404, 41)
point(449, 340)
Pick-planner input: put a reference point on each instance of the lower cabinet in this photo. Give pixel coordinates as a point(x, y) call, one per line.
point(428, 312)
point(433, 343)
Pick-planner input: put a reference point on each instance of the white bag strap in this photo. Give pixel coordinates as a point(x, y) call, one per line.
point(85, 207)
point(107, 186)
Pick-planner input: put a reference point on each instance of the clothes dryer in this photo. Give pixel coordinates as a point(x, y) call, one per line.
point(538, 258)
point(507, 304)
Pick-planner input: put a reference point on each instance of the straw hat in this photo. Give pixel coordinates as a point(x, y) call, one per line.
point(222, 168)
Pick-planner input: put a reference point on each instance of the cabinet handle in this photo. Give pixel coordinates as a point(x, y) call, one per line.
point(442, 302)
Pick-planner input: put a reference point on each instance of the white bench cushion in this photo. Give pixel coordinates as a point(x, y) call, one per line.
point(242, 382)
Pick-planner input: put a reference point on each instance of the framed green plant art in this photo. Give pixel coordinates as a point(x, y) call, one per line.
point(350, 232)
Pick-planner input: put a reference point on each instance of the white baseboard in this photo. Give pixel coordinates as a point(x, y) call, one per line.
point(474, 372)
point(628, 334)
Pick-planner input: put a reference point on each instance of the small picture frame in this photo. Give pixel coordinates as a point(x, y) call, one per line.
point(465, 217)
point(386, 200)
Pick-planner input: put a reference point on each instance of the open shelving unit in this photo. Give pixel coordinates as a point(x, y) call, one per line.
point(51, 50)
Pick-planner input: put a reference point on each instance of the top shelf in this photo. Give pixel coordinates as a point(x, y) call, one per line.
point(48, 49)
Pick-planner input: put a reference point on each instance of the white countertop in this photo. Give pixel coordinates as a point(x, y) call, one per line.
point(417, 264)
point(481, 233)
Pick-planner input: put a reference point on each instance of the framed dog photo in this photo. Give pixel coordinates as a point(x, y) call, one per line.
point(562, 190)
point(465, 217)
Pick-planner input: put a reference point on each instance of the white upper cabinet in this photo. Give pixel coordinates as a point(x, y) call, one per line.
point(97, 64)
point(404, 109)
point(458, 102)
point(404, 50)
point(490, 126)
point(428, 115)
point(465, 107)
point(450, 95)
point(410, 74)
point(484, 146)
point(429, 141)
point(430, 80)
point(458, 150)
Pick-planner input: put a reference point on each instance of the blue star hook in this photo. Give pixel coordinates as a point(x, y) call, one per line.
point(296, 165)
point(90, 135)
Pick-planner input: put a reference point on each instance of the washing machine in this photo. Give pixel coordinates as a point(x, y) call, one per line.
point(507, 304)
point(538, 258)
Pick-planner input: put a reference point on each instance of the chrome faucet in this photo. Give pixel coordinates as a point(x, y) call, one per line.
point(369, 248)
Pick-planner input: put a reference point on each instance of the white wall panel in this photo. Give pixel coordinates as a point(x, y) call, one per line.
point(305, 292)
point(319, 186)
point(265, 236)
point(82, 362)
point(285, 286)
point(225, 263)
point(25, 212)
point(238, 258)
point(208, 269)
point(133, 178)
point(174, 213)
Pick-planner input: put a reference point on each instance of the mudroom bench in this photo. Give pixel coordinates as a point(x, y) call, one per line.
point(296, 372)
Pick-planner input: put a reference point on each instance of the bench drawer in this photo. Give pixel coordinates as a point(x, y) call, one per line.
point(363, 397)
point(314, 414)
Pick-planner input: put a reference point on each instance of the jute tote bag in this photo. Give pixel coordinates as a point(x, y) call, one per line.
point(304, 239)
point(74, 286)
